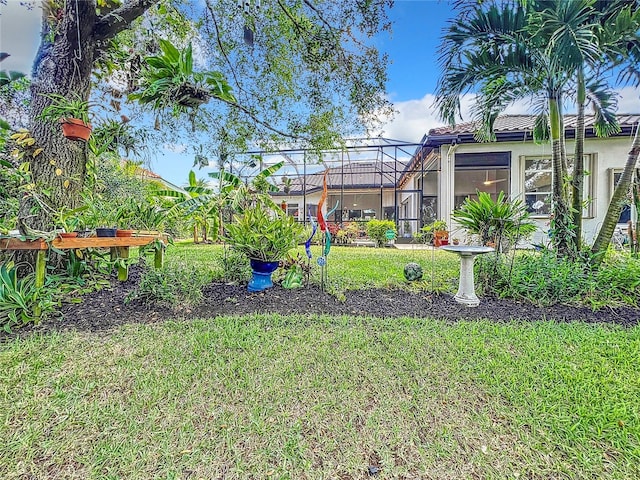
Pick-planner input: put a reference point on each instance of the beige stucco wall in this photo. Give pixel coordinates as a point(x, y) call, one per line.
point(608, 154)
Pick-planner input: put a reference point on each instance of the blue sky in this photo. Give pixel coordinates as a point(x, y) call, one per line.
point(413, 73)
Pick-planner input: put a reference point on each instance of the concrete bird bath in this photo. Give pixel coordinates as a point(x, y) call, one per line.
point(466, 289)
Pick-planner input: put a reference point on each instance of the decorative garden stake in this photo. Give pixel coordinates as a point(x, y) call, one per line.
point(326, 235)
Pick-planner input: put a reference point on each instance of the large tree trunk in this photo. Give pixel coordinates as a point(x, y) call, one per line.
point(62, 66)
point(617, 201)
point(577, 184)
point(70, 40)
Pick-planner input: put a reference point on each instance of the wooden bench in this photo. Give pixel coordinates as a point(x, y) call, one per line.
point(119, 249)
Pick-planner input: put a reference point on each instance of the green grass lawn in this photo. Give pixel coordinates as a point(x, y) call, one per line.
point(321, 397)
point(349, 268)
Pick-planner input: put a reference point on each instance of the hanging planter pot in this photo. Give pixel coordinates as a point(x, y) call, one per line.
point(75, 129)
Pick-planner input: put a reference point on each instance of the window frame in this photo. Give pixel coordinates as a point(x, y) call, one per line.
point(591, 165)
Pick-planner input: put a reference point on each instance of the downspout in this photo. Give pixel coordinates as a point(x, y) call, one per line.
point(451, 181)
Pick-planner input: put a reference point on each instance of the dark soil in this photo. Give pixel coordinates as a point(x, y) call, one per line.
point(106, 309)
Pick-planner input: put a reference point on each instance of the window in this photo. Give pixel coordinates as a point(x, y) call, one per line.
point(292, 209)
point(485, 172)
point(625, 214)
point(538, 184)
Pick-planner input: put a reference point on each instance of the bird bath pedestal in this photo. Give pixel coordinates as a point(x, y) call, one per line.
point(466, 290)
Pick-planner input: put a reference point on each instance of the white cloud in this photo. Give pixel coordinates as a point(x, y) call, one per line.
point(629, 101)
point(414, 118)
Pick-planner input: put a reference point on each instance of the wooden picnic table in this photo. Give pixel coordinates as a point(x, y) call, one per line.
point(119, 249)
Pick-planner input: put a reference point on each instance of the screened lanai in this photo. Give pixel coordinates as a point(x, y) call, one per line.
point(377, 178)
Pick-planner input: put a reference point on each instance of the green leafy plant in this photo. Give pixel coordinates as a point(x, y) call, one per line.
point(140, 215)
point(175, 284)
point(170, 81)
point(100, 213)
point(235, 266)
point(19, 298)
point(426, 233)
point(264, 234)
point(69, 219)
point(65, 107)
point(541, 278)
point(376, 229)
point(498, 221)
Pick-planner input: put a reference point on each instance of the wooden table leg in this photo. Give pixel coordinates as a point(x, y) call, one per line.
point(41, 268)
point(159, 257)
point(123, 267)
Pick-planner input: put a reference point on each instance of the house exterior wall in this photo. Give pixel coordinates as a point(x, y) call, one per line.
point(606, 154)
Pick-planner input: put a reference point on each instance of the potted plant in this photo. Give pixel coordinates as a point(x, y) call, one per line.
point(433, 233)
point(72, 113)
point(265, 235)
point(102, 216)
point(68, 220)
point(170, 82)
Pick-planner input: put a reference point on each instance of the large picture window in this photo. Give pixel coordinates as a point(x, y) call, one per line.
point(485, 172)
point(538, 184)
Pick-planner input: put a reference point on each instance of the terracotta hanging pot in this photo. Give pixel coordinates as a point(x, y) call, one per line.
point(75, 129)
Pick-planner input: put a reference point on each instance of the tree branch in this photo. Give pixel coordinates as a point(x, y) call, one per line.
point(222, 49)
point(118, 20)
point(262, 122)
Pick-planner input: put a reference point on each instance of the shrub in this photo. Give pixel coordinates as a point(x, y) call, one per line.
point(235, 266)
point(171, 285)
point(376, 229)
point(20, 299)
point(497, 221)
point(541, 278)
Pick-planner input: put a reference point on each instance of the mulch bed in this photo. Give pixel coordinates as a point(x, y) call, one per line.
point(106, 309)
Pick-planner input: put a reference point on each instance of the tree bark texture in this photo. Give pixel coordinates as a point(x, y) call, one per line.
point(577, 184)
point(63, 65)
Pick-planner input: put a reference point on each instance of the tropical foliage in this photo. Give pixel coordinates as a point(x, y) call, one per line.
point(508, 51)
point(169, 81)
point(264, 234)
point(500, 221)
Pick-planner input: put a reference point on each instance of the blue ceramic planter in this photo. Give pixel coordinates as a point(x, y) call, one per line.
point(261, 279)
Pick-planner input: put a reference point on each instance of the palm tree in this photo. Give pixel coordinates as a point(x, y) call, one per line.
point(617, 201)
point(521, 49)
point(489, 46)
point(589, 36)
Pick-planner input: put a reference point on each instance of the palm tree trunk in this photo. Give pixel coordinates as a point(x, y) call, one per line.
point(561, 222)
point(617, 201)
point(577, 184)
point(634, 233)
